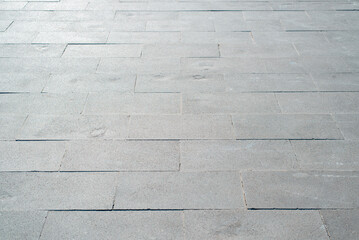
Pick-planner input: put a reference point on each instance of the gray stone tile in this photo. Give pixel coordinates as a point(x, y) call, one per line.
point(129, 103)
point(21, 225)
point(327, 155)
point(42, 103)
point(288, 37)
point(180, 26)
point(337, 102)
point(105, 50)
point(211, 190)
point(239, 224)
point(236, 155)
point(181, 127)
point(337, 81)
point(180, 83)
point(63, 82)
point(144, 37)
point(60, 6)
point(268, 82)
point(348, 125)
point(38, 191)
point(229, 103)
point(113, 225)
point(75, 127)
point(180, 50)
point(216, 37)
point(87, 15)
point(22, 82)
point(12, 5)
point(301, 189)
point(4, 24)
point(145, 15)
point(121, 156)
point(17, 37)
point(10, 125)
point(342, 224)
point(286, 126)
point(31, 156)
point(48, 65)
point(139, 65)
point(257, 50)
point(71, 37)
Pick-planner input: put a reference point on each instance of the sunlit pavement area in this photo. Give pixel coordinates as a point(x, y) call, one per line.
point(166, 119)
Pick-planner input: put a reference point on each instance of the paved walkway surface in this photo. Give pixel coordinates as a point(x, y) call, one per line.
point(179, 119)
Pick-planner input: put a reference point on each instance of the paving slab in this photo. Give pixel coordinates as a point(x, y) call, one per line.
point(341, 224)
point(349, 125)
point(22, 82)
point(121, 156)
point(305, 190)
point(21, 225)
point(105, 50)
point(236, 155)
point(11, 125)
point(113, 225)
point(179, 190)
point(41, 191)
point(238, 224)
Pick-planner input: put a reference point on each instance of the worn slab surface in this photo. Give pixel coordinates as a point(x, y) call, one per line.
point(187, 119)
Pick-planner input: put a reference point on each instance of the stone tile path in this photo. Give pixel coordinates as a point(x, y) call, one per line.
point(174, 119)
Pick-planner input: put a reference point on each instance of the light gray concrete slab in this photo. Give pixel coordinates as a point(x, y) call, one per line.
point(106, 50)
point(348, 125)
point(342, 224)
point(17, 37)
point(38, 191)
point(11, 125)
point(216, 37)
point(211, 190)
point(337, 81)
point(113, 225)
point(230, 103)
point(121, 156)
point(181, 127)
point(236, 155)
point(21, 225)
point(301, 189)
point(31, 156)
point(4, 24)
point(22, 82)
point(75, 127)
point(257, 50)
point(232, 224)
point(97, 82)
point(71, 37)
point(129, 103)
point(327, 155)
point(180, 50)
point(144, 37)
point(286, 126)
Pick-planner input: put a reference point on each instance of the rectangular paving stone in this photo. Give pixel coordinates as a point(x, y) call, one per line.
point(144, 37)
point(42, 103)
point(179, 26)
point(97, 82)
point(113, 225)
point(121, 156)
point(337, 81)
point(105, 50)
point(269, 82)
point(341, 224)
point(40, 191)
point(239, 224)
point(17, 37)
point(211, 190)
point(216, 103)
point(216, 37)
point(75, 127)
point(348, 125)
point(288, 37)
point(180, 50)
point(31, 156)
point(21, 225)
point(286, 126)
point(338, 102)
point(181, 127)
point(32, 6)
point(20, 82)
point(4, 24)
point(71, 37)
point(257, 50)
point(327, 155)
point(180, 83)
point(88, 15)
point(48, 65)
point(139, 65)
point(12, 5)
point(236, 155)
point(301, 189)
point(11, 125)
point(129, 103)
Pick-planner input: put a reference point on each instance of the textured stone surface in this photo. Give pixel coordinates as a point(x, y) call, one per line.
point(341, 224)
